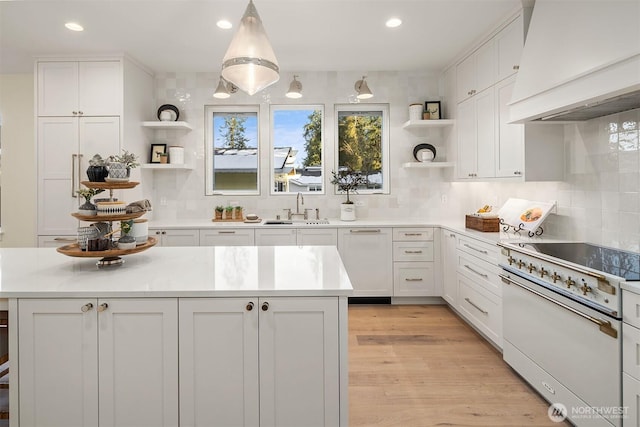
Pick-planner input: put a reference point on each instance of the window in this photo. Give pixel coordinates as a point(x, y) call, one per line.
point(363, 144)
point(232, 155)
point(297, 144)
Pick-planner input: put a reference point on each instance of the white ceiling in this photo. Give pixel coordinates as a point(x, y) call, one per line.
point(181, 35)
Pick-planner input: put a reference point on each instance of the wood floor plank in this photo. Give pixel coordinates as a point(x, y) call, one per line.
point(424, 366)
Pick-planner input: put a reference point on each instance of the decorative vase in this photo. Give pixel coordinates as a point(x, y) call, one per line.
point(228, 214)
point(164, 159)
point(238, 213)
point(97, 173)
point(347, 212)
point(87, 208)
point(218, 215)
point(118, 171)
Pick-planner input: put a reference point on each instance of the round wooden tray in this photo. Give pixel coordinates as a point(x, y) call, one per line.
point(75, 251)
point(99, 218)
point(110, 185)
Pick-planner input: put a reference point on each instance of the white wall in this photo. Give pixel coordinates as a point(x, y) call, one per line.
point(18, 202)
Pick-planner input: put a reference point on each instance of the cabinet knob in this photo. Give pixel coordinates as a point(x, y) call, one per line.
point(157, 232)
point(102, 307)
point(75, 113)
point(249, 306)
point(265, 306)
point(88, 306)
point(516, 67)
point(80, 113)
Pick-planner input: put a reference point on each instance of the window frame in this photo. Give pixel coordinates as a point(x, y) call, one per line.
point(280, 107)
point(209, 145)
point(386, 163)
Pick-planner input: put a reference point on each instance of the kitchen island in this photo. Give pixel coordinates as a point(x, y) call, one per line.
point(248, 336)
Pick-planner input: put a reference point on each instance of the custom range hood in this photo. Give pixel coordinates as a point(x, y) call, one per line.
point(581, 60)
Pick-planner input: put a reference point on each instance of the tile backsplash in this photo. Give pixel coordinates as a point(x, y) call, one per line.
point(598, 201)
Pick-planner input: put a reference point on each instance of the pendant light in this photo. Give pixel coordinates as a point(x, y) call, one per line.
point(295, 89)
point(362, 89)
point(224, 89)
point(250, 63)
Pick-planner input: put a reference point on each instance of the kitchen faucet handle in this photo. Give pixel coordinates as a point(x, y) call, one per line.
point(288, 211)
point(306, 213)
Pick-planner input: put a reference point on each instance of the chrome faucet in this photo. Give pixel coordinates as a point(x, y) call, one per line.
point(299, 201)
point(299, 198)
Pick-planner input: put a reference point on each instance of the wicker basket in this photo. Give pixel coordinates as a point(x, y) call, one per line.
point(482, 224)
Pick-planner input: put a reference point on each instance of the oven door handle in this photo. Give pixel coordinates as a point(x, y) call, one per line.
point(604, 325)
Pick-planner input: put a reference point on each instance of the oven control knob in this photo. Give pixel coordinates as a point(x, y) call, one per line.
point(531, 267)
point(555, 276)
point(585, 289)
point(570, 282)
point(520, 263)
point(511, 260)
point(543, 272)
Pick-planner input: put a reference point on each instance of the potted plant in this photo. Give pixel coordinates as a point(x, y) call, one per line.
point(219, 209)
point(238, 212)
point(97, 170)
point(120, 165)
point(88, 208)
point(347, 181)
point(164, 157)
point(126, 240)
point(228, 212)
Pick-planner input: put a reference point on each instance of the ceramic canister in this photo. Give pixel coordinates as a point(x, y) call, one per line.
point(415, 112)
point(176, 155)
point(140, 230)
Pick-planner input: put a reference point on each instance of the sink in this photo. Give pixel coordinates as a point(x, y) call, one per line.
point(296, 222)
point(277, 222)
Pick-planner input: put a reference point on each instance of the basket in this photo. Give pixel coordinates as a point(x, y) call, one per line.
point(490, 225)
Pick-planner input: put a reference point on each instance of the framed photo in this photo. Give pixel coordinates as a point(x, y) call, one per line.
point(433, 108)
point(156, 150)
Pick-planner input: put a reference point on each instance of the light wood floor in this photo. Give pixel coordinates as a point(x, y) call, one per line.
point(423, 366)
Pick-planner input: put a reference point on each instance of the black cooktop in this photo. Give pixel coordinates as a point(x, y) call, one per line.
point(607, 260)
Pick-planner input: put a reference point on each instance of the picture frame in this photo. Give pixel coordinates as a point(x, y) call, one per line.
point(156, 150)
point(433, 108)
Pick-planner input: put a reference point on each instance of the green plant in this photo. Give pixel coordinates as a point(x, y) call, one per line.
point(125, 226)
point(88, 193)
point(97, 160)
point(219, 208)
point(127, 158)
point(348, 181)
point(228, 209)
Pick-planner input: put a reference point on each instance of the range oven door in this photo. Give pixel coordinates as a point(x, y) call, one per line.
point(570, 353)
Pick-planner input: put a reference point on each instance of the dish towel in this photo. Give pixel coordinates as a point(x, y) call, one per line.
point(139, 206)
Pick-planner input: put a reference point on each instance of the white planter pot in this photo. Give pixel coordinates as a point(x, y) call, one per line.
point(347, 212)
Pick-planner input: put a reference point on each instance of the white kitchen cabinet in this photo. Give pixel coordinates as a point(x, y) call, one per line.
point(509, 43)
point(227, 237)
point(476, 136)
point(367, 254)
point(267, 362)
point(79, 88)
point(413, 263)
point(510, 140)
point(631, 399)
point(65, 145)
point(176, 237)
point(631, 357)
point(477, 72)
point(98, 362)
point(449, 267)
point(299, 236)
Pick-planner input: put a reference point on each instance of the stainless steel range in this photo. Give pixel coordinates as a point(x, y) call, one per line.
point(562, 324)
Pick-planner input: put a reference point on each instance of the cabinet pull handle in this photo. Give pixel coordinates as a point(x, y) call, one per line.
point(226, 232)
point(79, 171)
point(102, 307)
point(413, 280)
point(88, 306)
point(73, 176)
point(265, 306)
point(412, 252)
point(475, 306)
point(412, 234)
point(65, 239)
point(516, 67)
point(476, 249)
point(365, 231)
point(476, 272)
point(249, 306)
point(452, 235)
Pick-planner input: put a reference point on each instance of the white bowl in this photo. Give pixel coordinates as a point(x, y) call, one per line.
point(124, 246)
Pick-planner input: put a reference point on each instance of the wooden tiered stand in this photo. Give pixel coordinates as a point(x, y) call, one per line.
point(109, 256)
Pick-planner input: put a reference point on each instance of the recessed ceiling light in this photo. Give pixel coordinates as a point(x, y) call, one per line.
point(393, 22)
point(224, 24)
point(74, 26)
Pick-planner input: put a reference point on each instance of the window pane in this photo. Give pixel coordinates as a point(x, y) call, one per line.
point(296, 138)
point(363, 144)
point(232, 150)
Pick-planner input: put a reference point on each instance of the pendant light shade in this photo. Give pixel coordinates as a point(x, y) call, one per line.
point(362, 89)
point(295, 89)
point(224, 89)
point(250, 63)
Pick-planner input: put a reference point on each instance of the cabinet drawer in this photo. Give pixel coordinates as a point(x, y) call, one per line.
point(481, 308)
point(411, 234)
point(227, 237)
point(631, 350)
point(414, 279)
point(479, 272)
point(413, 251)
point(479, 249)
point(631, 308)
point(630, 399)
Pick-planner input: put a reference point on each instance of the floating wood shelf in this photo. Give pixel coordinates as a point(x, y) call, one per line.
point(427, 165)
point(167, 125)
point(426, 124)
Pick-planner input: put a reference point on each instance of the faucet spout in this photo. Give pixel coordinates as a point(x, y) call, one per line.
point(299, 201)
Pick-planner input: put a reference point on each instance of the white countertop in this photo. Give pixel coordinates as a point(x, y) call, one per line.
point(177, 272)
point(333, 223)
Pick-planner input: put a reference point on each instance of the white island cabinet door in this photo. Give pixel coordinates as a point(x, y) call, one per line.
point(276, 237)
point(299, 362)
point(219, 362)
point(317, 237)
point(58, 362)
point(138, 362)
point(367, 254)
